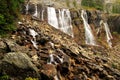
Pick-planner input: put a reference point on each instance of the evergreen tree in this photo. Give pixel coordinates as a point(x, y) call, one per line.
point(8, 14)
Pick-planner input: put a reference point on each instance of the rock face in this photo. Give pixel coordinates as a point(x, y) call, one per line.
point(74, 22)
point(18, 64)
point(59, 3)
point(52, 55)
point(38, 50)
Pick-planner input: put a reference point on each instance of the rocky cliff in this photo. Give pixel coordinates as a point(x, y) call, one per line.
point(37, 50)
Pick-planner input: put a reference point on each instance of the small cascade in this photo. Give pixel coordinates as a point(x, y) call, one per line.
point(52, 17)
point(56, 77)
point(42, 17)
point(36, 12)
point(88, 31)
point(33, 34)
point(108, 33)
point(34, 44)
point(65, 21)
point(61, 59)
point(27, 8)
point(52, 60)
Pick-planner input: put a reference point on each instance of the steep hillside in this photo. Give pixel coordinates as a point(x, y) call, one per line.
point(52, 42)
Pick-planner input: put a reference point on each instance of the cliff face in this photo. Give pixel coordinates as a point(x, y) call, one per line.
point(40, 51)
point(59, 3)
point(43, 51)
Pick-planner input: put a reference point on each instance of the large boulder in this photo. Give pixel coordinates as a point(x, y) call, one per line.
point(16, 64)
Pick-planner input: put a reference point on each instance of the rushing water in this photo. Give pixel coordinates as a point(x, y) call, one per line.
point(36, 12)
point(42, 16)
point(33, 34)
point(52, 18)
point(108, 33)
point(88, 31)
point(65, 21)
point(27, 8)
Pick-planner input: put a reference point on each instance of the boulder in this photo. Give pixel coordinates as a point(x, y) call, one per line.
point(16, 64)
point(48, 72)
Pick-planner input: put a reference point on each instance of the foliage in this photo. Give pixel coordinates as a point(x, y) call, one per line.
point(29, 78)
point(9, 10)
point(75, 3)
point(4, 77)
point(68, 3)
point(98, 4)
point(116, 8)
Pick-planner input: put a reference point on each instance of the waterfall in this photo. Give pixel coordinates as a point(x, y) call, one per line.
point(36, 12)
point(27, 8)
point(51, 59)
point(42, 17)
point(34, 44)
point(88, 31)
point(56, 77)
point(52, 18)
point(65, 21)
point(108, 34)
point(33, 34)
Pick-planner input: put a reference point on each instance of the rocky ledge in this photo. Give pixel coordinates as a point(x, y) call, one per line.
point(40, 51)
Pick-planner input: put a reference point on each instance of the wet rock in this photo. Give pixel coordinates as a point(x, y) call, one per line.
point(48, 72)
point(2, 44)
point(19, 65)
point(42, 41)
point(74, 14)
point(31, 9)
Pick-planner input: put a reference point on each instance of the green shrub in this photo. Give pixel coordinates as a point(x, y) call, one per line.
point(4, 77)
point(98, 4)
point(116, 8)
point(9, 10)
point(29, 78)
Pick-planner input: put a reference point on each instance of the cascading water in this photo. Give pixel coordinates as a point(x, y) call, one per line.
point(36, 12)
point(52, 18)
point(27, 8)
point(88, 31)
point(33, 34)
point(42, 17)
point(52, 60)
point(65, 21)
point(108, 34)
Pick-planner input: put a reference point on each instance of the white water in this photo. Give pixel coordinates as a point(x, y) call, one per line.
point(56, 77)
point(51, 59)
point(34, 44)
point(65, 21)
point(61, 59)
point(42, 17)
point(33, 34)
point(52, 18)
point(36, 12)
point(27, 8)
point(108, 33)
point(88, 31)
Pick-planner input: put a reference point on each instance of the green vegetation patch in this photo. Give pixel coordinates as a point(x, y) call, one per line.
point(9, 10)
